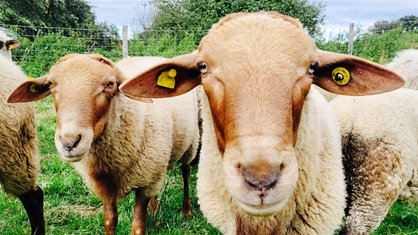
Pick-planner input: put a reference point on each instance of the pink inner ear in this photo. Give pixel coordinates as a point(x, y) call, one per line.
point(367, 78)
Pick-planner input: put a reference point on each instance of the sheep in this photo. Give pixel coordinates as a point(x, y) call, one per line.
point(19, 157)
point(271, 154)
point(379, 140)
point(405, 64)
point(7, 44)
point(116, 144)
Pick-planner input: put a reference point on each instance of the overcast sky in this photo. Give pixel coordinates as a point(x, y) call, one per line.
point(338, 13)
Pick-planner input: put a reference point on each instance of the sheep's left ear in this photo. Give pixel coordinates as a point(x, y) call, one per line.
point(350, 75)
point(12, 44)
point(170, 78)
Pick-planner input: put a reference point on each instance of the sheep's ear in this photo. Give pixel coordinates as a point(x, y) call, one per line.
point(350, 75)
point(170, 78)
point(12, 44)
point(31, 90)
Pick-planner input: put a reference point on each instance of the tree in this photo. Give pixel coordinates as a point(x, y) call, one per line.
point(50, 13)
point(201, 14)
point(383, 26)
point(407, 23)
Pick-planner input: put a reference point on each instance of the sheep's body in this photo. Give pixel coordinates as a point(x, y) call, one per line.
point(317, 204)
point(130, 145)
point(19, 159)
point(271, 160)
point(380, 154)
point(405, 64)
point(139, 142)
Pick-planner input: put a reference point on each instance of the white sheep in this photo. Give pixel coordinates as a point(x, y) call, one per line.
point(7, 44)
point(271, 149)
point(379, 140)
point(405, 64)
point(19, 158)
point(116, 144)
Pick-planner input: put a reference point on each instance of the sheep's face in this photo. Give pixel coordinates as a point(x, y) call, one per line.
point(82, 87)
point(256, 82)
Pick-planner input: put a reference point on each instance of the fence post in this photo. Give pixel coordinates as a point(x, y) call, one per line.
point(125, 41)
point(350, 38)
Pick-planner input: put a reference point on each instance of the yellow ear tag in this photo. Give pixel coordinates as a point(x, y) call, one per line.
point(34, 88)
point(30, 78)
point(167, 79)
point(10, 47)
point(341, 76)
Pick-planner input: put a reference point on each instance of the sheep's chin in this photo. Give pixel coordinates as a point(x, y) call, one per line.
point(260, 210)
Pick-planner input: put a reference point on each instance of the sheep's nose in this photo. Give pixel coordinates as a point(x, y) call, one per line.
point(261, 176)
point(70, 142)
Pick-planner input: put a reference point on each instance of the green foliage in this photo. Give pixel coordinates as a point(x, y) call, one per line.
point(52, 13)
point(187, 14)
point(166, 43)
point(379, 48)
point(38, 55)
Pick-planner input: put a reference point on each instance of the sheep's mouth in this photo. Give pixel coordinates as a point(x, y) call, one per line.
point(72, 157)
point(262, 209)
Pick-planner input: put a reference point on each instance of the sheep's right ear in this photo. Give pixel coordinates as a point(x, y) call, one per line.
point(170, 78)
point(31, 90)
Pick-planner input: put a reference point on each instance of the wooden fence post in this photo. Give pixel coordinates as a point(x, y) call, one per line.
point(125, 41)
point(350, 38)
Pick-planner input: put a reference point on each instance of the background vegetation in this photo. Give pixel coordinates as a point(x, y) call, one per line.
point(69, 206)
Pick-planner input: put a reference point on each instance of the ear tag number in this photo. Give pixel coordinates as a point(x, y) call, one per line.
point(341, 76)
point(167, 79)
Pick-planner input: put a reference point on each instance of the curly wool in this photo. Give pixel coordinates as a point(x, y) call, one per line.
point(19, 165)
point(379, 140)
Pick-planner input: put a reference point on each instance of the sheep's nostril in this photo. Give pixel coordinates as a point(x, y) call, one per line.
point(260, 179)
point(71, 144)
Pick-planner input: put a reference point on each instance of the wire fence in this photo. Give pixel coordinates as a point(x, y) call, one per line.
point(41, 47)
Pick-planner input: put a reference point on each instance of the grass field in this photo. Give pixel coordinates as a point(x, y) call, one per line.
point(70, 208)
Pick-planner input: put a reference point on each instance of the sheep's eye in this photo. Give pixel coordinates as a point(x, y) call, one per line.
point(203, 67)
point(312, 67)
point(110, 84)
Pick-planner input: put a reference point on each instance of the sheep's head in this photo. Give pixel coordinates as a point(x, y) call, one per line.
point(82, 87)
point(257, 70)
point(7, 44)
